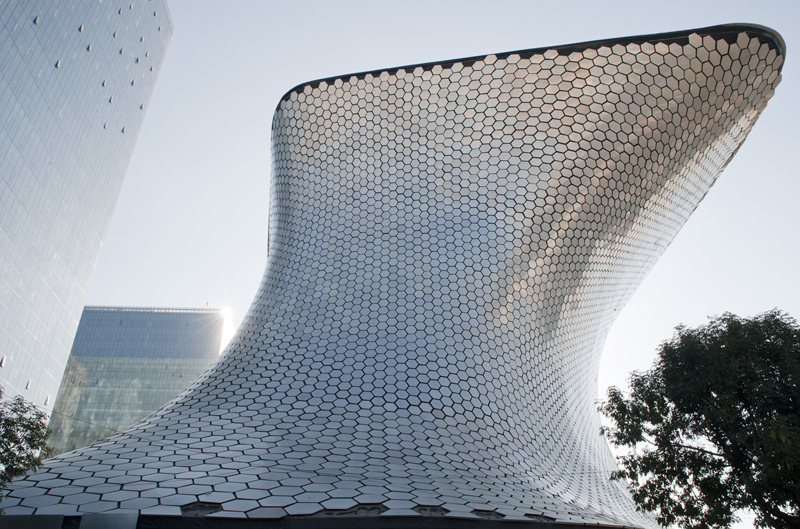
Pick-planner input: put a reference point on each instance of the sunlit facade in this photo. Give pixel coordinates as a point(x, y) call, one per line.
point(449, 245)
point(126, 362)
point(75, 81)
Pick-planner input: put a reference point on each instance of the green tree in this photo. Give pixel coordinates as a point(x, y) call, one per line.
point(714, 425)
point(23, 438)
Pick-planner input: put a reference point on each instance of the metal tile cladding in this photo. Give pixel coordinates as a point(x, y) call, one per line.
point(449, 244)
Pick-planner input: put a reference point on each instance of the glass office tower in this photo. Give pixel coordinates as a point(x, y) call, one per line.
point(75, 80)
point(127, 362)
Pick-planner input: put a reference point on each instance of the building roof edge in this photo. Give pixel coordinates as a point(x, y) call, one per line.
point(729, 32)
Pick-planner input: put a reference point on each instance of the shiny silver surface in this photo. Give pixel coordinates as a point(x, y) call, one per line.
point(449, 244)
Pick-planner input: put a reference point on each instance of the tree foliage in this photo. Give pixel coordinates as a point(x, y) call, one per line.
point(714, 425)
point(23, 438)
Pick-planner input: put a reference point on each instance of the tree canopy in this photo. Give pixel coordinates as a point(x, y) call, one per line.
point(714, 426)
point(23, 438)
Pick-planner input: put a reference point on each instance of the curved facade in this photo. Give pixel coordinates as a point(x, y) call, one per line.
point(449, 244)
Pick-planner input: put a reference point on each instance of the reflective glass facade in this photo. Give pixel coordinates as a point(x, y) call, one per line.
point(449, 244)
point(127, 362)
point(75, 80)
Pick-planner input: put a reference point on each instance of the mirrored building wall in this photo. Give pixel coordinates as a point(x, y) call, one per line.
point(126, 362)
point(75, 81)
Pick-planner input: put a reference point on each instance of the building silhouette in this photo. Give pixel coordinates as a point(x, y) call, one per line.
point(449, 244)
point(126, 362)
point(75, 81)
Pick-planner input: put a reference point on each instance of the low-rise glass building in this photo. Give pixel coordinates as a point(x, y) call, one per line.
point(127, 362)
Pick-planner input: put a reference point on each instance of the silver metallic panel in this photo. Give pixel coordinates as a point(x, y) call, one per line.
point(449, 244)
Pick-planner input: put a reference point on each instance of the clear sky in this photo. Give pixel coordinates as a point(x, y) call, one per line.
point(190, 225)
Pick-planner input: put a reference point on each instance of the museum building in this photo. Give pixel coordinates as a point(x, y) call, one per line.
point(449, 244)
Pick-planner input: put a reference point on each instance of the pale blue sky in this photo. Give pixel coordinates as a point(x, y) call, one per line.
point(191, 222)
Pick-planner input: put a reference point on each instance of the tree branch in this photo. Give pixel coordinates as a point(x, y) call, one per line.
point(701, 450)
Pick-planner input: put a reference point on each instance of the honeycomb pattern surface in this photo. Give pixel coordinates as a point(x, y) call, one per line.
point(448, 246)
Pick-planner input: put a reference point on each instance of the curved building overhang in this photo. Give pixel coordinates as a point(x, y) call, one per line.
point(449, 245)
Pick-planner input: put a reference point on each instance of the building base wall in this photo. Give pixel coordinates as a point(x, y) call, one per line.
point(297, 522)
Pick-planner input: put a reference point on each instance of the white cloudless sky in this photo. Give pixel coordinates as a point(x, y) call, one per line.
point(191, 222)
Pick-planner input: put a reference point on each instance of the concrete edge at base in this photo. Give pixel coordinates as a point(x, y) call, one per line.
point(134, 521)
